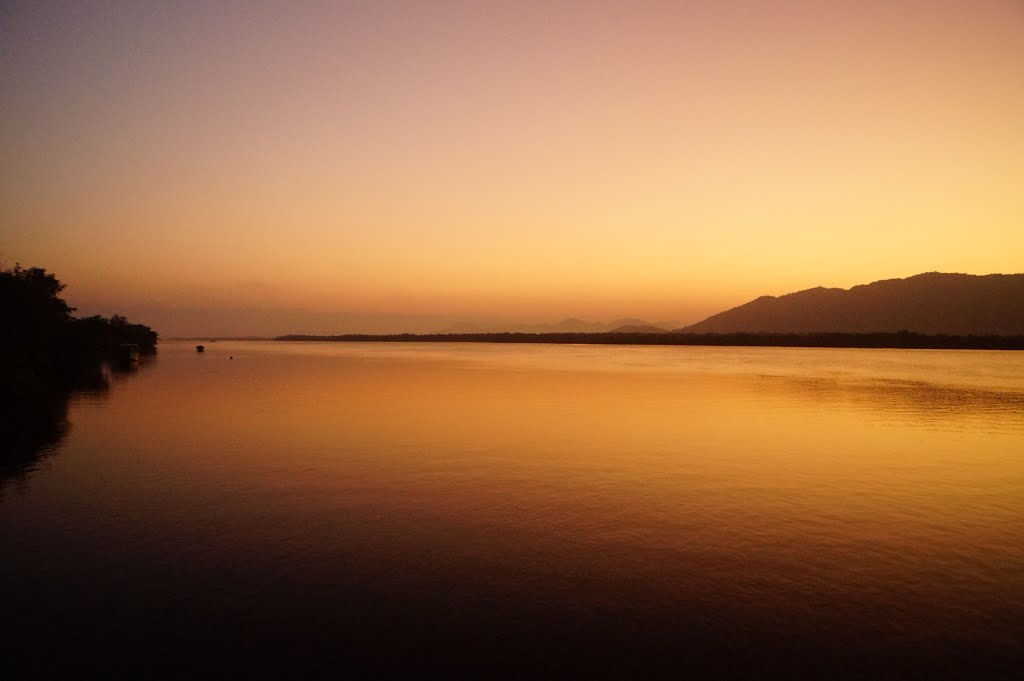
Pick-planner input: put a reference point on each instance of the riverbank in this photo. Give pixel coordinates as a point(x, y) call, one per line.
point(46, 354)
point(903, 339)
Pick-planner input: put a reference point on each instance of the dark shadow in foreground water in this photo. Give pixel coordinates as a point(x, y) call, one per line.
point(31, 434)
point(32, 427)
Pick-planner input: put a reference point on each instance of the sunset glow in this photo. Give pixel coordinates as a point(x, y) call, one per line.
point(264, 168)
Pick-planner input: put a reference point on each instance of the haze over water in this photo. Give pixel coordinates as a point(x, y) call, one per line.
point(529, 511)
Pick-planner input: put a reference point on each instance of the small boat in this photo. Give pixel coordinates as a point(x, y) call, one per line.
point(128, 353)
point(200, 348)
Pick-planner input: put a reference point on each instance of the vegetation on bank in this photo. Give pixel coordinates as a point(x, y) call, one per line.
point(901, 339)
point(45, 352)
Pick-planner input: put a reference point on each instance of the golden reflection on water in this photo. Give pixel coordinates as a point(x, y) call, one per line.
point(657, 455)
point(830, 488)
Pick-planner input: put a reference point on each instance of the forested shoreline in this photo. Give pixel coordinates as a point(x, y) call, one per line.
point(46, 353)
point(901, 339)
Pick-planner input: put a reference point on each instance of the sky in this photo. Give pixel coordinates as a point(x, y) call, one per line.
point(260, 168)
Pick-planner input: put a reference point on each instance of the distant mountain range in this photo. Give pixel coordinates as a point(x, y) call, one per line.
point(931, 303)
point(571, 325)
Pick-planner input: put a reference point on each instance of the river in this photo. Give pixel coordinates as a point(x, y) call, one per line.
point(526, 511)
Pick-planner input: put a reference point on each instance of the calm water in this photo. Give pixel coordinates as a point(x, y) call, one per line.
point(527, 511)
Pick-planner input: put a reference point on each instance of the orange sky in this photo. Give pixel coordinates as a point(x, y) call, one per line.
point(262, 168)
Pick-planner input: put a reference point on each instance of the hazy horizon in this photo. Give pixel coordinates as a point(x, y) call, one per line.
point(261, 169)
point(266, 323)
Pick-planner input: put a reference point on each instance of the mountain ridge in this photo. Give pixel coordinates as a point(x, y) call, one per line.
point(929, 303)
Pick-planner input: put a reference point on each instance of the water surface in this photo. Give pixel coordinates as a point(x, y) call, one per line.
point(528, 511)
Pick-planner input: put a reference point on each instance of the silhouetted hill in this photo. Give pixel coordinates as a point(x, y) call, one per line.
point(627, 321)
point(639, 328)
point(571, 325)
point(931, 303)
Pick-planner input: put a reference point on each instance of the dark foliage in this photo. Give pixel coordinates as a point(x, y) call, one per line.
point(45, 353)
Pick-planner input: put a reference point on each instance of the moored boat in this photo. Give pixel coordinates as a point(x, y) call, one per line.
point(128, 353)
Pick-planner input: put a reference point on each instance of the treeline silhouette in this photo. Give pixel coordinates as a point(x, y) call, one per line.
point(45, 353)
point(901, 339)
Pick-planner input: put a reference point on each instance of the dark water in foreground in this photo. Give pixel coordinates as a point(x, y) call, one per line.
point(527, 511)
